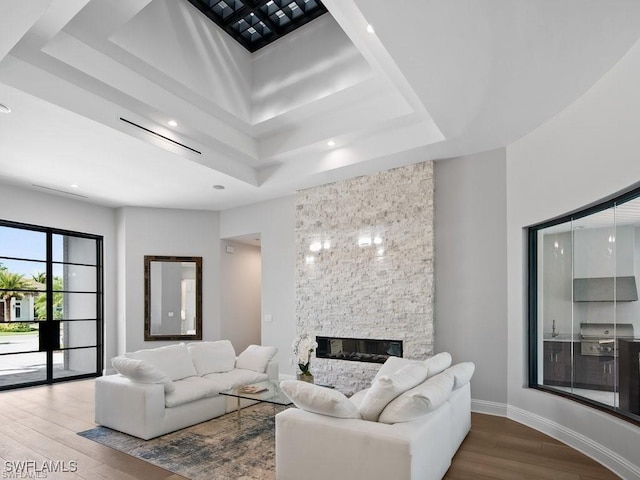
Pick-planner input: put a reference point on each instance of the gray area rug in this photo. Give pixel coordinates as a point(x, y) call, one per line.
point(219, 449)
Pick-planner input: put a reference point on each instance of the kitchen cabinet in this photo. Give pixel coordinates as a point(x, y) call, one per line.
point(564, 369)
point(596, 373)
point(557, 364)
point(630, 376)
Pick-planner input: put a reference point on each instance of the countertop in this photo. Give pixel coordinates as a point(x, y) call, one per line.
point(575, 337)
point(562, 337)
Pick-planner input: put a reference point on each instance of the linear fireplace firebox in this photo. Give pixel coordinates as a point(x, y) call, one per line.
point(358, 349)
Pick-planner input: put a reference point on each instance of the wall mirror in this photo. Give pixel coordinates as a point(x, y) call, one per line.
point(172, 298)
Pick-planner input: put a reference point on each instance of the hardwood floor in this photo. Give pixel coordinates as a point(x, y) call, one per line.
point(41, 424)
point(499, 448)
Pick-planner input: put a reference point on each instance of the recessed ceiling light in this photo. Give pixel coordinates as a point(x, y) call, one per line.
point(370, 29)
point(4, 109)
point(219, 187)
point(172, 123)
point(73, 185)
point(331, 143)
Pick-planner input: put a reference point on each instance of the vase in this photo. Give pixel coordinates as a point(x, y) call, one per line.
point(305, 378)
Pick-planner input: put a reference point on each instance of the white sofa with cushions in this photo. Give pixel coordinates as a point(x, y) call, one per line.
point(406, 426)
point(164, 389)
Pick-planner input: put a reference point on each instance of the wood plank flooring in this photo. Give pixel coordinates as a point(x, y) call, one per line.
point(41, 424)
point(499, 448)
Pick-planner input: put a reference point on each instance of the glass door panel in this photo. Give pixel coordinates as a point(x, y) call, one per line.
point(22, 243)
point(22, 368)
point(626, 365)
point(594, 281)
point(72, 249)
point(74, 278)
point(74, 334)
point(23, 265)
point(74, 362)
point(555, 310)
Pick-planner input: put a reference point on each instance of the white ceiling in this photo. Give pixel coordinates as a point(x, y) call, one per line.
point(437, 79)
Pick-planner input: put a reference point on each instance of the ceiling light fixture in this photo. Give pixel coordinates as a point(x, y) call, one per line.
point(4, 109)
point(331, 143)
point(370, 29)
point(172, 123)
point(219, 187)
point(74, 185)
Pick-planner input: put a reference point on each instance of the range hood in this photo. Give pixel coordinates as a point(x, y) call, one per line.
point(601, 289)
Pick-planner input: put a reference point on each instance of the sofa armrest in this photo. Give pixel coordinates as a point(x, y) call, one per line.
point(314, 447)
point(127, 406)
point(273, 371)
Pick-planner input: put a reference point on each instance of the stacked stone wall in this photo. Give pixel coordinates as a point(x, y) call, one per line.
point(364, 268)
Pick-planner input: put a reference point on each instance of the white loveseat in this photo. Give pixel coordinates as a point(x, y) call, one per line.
point(164, 389)
point(414, 438)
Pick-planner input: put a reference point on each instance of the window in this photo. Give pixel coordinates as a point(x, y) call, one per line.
point(51, 287)
point(584, 313)
point(257, 23)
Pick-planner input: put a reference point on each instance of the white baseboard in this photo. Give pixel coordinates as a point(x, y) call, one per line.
point(489, 408)
point(585, 445)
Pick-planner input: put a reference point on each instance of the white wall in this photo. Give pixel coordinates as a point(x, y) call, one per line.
point(32, 207)
point(240, 294)
point(275, 222)
point(190, 51)
point(586, 153)
point(308, 64)
point(154, 231)
point(470, 269)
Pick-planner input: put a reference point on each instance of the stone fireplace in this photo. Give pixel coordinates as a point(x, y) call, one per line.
point(364, 267)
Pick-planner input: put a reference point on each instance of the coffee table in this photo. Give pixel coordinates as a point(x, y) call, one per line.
point(272, 394)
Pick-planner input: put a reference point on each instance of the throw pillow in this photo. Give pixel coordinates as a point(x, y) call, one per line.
point(419, 401)
point(393, 364)
point(438, 363)
point(317, 399)
point(174, 360)
point(141, 372)
point(388, 387)
point(462, 373)
point(256, 358)
point(212, 357)
point(357, 397)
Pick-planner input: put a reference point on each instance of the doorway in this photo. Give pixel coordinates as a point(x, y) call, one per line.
point(51, 291)
point(241, 290)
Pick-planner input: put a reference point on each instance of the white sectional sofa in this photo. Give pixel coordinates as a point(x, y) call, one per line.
point(413, 436)
point(164, 389)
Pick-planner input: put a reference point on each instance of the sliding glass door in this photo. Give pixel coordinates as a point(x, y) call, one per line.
point(51, 305)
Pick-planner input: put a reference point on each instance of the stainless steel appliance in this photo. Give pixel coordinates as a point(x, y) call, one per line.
point(599, 339)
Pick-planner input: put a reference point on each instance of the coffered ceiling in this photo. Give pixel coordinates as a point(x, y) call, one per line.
point(92, 85)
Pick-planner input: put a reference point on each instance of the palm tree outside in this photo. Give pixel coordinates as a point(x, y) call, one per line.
point(12, 285)
point(58, 298)
point(40, 277)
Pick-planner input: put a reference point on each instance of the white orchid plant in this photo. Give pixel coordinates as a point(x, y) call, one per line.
point(303, 347)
